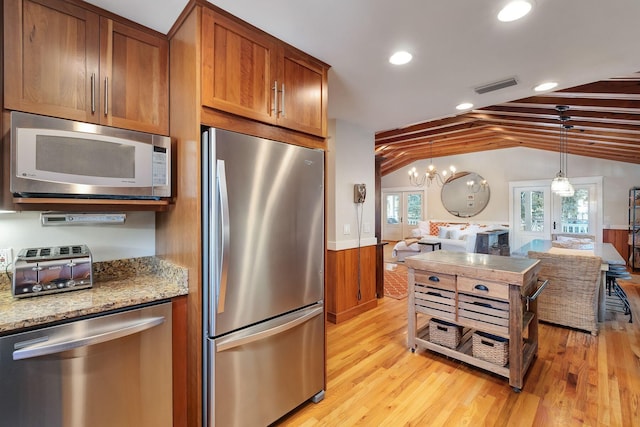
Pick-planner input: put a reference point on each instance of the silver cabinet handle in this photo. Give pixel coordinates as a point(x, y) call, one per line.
point(83, 340)
point(106, 96)
point(224, 232)
point(93, 93)
point(282, 113)
point(227, 344)
point(274, 109)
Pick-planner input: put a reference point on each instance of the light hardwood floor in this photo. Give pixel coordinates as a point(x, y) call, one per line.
point(577, 379)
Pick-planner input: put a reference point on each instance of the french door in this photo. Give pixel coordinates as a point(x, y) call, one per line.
point(402, 211)
point(573, 214)
point(531, 215)
point(537, 213)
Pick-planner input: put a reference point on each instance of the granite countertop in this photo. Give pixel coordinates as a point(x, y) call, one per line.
point(116, 284)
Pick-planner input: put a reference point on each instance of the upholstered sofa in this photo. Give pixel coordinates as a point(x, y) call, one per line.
point(410, 246)
point(455, 237)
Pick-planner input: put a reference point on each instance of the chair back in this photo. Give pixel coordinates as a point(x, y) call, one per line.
point(571, 296)
point(554, 236)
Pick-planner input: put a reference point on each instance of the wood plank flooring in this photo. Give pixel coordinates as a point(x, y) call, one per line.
point(577, 379)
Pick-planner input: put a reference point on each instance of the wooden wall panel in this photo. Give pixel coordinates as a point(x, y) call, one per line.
point(619, 239)
point(178, 231)
point(342, 282)
point(179, 352)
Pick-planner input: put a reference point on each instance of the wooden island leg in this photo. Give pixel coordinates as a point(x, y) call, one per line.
point(516, 371)
point(412, 317)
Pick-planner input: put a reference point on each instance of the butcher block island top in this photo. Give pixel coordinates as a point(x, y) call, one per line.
point(479, 266)
point(476, 308)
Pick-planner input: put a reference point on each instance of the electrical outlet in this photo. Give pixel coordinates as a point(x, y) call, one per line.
point(346, 229)
point(5, 259)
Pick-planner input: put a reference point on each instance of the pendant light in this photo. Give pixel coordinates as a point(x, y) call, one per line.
point(560, 185)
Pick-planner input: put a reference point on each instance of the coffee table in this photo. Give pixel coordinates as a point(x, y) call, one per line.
point(431, 243)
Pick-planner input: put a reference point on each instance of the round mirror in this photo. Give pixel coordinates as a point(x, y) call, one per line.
point(465, 194)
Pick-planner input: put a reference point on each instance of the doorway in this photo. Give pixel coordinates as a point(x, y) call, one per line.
point(401, 212)
point(537, 213)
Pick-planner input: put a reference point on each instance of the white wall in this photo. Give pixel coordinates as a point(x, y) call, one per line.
point(350, 160)
point(135, 238)
point(499, 167)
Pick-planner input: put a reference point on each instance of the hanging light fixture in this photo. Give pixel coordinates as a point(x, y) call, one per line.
point(431, 174)
point(560, 184)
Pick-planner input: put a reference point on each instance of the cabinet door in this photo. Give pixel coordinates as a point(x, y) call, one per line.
point(50, 58)
point(237, 67)
point(134, 78)
point(303, 101)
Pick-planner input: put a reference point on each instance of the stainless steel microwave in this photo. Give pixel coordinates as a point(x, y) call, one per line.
point(53, 157)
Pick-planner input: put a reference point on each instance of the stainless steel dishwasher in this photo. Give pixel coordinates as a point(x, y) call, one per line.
point(109, 370)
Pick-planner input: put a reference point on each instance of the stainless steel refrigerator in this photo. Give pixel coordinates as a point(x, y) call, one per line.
point(263, 259)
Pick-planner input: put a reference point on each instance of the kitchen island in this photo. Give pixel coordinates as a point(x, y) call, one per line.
point(477, 295)
point(117, 284)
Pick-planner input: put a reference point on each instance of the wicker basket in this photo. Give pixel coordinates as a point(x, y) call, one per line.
point(444, 333)
point(490, 348)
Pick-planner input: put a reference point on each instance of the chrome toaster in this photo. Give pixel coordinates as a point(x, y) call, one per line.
point(41, 271)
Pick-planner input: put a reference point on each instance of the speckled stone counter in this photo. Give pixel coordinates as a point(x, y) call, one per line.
point(116, 284)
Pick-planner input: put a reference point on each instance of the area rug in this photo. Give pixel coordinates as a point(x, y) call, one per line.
point(395, 281)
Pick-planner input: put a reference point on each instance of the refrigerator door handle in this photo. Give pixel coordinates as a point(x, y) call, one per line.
point(225, 233)
point(227, 344)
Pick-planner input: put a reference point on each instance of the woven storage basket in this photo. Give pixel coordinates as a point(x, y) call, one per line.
point(444, 333)
point(490, 348)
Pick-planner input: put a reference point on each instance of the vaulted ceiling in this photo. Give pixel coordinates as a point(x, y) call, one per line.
point(605, 116)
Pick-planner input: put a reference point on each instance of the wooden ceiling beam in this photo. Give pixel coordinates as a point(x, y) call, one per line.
point(605, 116)
point(542, 113)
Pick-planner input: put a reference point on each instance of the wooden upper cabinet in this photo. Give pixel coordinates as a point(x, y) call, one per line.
point(134, 78)
point(249, 73)
point(304, 104)
point(237, 67)
point(58, 57)
point(50, 58)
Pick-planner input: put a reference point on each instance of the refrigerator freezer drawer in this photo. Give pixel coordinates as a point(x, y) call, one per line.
point(259, 374)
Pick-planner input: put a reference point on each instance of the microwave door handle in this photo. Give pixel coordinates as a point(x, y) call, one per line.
point(224, 234)
point(39, 348)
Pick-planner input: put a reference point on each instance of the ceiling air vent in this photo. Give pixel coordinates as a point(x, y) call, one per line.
point(511, 81)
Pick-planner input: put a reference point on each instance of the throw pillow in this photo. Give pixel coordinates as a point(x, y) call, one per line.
point(423, 226)
point(457, 234)
point(433, 227)
point(443, 232)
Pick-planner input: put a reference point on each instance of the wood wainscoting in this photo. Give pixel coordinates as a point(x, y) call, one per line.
point(342, 282)
point(619, 239)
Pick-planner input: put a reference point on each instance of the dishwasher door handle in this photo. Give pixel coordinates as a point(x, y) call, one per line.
point(87, 338)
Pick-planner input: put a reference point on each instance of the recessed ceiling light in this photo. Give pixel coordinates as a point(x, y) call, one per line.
point(514, 10)
point(464, 106)
point(400, 58)
point(545, 86)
